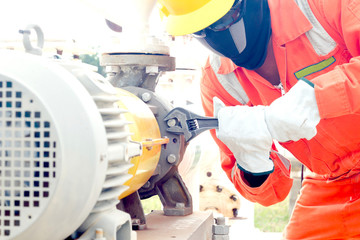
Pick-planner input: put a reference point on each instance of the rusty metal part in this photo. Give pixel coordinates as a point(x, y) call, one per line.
point(165, 63)
point(139, 70)
point(132, 205)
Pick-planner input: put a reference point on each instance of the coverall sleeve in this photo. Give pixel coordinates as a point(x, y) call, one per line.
point(338, 91)
point(278, 184)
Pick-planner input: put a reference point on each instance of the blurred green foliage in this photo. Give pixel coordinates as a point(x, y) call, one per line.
point(273, 218)
point(152, 203)
point(93, 59)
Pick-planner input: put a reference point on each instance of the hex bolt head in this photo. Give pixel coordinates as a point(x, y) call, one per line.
point(220, 220)
point(179, 205)
point(171, 122)
point(221, 230)
point(171, 158)
point(146, 97)
point(147, 185)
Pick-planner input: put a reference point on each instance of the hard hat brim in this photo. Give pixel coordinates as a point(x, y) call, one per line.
point(184, 24)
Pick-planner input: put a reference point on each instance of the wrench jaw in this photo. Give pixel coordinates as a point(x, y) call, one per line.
point(179, 131)
point(177, 119)
point(182, 121)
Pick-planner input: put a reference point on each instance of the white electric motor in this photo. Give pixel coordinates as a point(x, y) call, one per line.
point(64, 150)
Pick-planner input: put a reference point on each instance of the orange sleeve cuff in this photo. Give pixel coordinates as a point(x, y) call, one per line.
point(275, 188)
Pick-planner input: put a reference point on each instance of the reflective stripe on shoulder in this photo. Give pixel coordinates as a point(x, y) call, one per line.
point(318, 37)
point(229, 81)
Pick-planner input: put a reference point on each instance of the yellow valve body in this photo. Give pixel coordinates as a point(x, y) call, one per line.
point(144, 127)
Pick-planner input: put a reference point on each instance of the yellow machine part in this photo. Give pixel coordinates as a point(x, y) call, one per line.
point(144, 129)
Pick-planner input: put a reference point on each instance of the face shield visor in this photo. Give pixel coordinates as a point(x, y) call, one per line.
point(241, 35)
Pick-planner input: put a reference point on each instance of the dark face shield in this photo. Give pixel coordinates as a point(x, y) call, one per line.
point(228, 43)
point(241, 35)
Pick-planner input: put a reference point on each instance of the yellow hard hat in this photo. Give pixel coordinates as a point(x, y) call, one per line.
point(189, 16)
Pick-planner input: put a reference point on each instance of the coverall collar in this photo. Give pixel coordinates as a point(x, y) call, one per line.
point(286, 26)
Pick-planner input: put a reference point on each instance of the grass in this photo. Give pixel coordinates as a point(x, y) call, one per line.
point(152, 203)
point(273, 218)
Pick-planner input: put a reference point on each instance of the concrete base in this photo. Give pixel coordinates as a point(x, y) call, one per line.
point(196, 226)
point(243, 229)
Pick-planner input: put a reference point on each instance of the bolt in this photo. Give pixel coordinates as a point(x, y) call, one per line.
point(171, 122)
point(180, 205)
point(135, 221)
point(171, 158)
point(112, 69)
point(152, 70)
point(147, 185)
point(220, 221)
point(146, 97)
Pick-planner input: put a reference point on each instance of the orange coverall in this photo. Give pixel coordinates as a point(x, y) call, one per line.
point(329, 205)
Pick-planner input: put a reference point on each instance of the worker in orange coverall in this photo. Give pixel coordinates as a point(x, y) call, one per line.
point(284, 70)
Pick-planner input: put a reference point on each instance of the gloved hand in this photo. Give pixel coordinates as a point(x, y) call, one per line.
point(248, 131)
point(243, 130)
point(294, 115)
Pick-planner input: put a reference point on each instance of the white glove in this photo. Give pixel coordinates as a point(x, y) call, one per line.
point(243, 130)
point(294, 115)
point(248, 131)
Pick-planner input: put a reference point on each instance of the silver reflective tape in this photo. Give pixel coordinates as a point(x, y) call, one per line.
point(238, 34)
point(229, 81)
point(283, 159)
point(318, 37)
point(233, 172)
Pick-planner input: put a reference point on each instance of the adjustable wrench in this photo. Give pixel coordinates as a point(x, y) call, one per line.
point(182, 121)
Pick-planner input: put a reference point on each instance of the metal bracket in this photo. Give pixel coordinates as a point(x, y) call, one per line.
point(175, 196)
point(132, 205)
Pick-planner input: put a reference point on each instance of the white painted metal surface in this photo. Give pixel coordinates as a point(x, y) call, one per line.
point(55, 153)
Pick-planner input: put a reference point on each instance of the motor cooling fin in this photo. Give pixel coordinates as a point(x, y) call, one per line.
point(62, 159)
